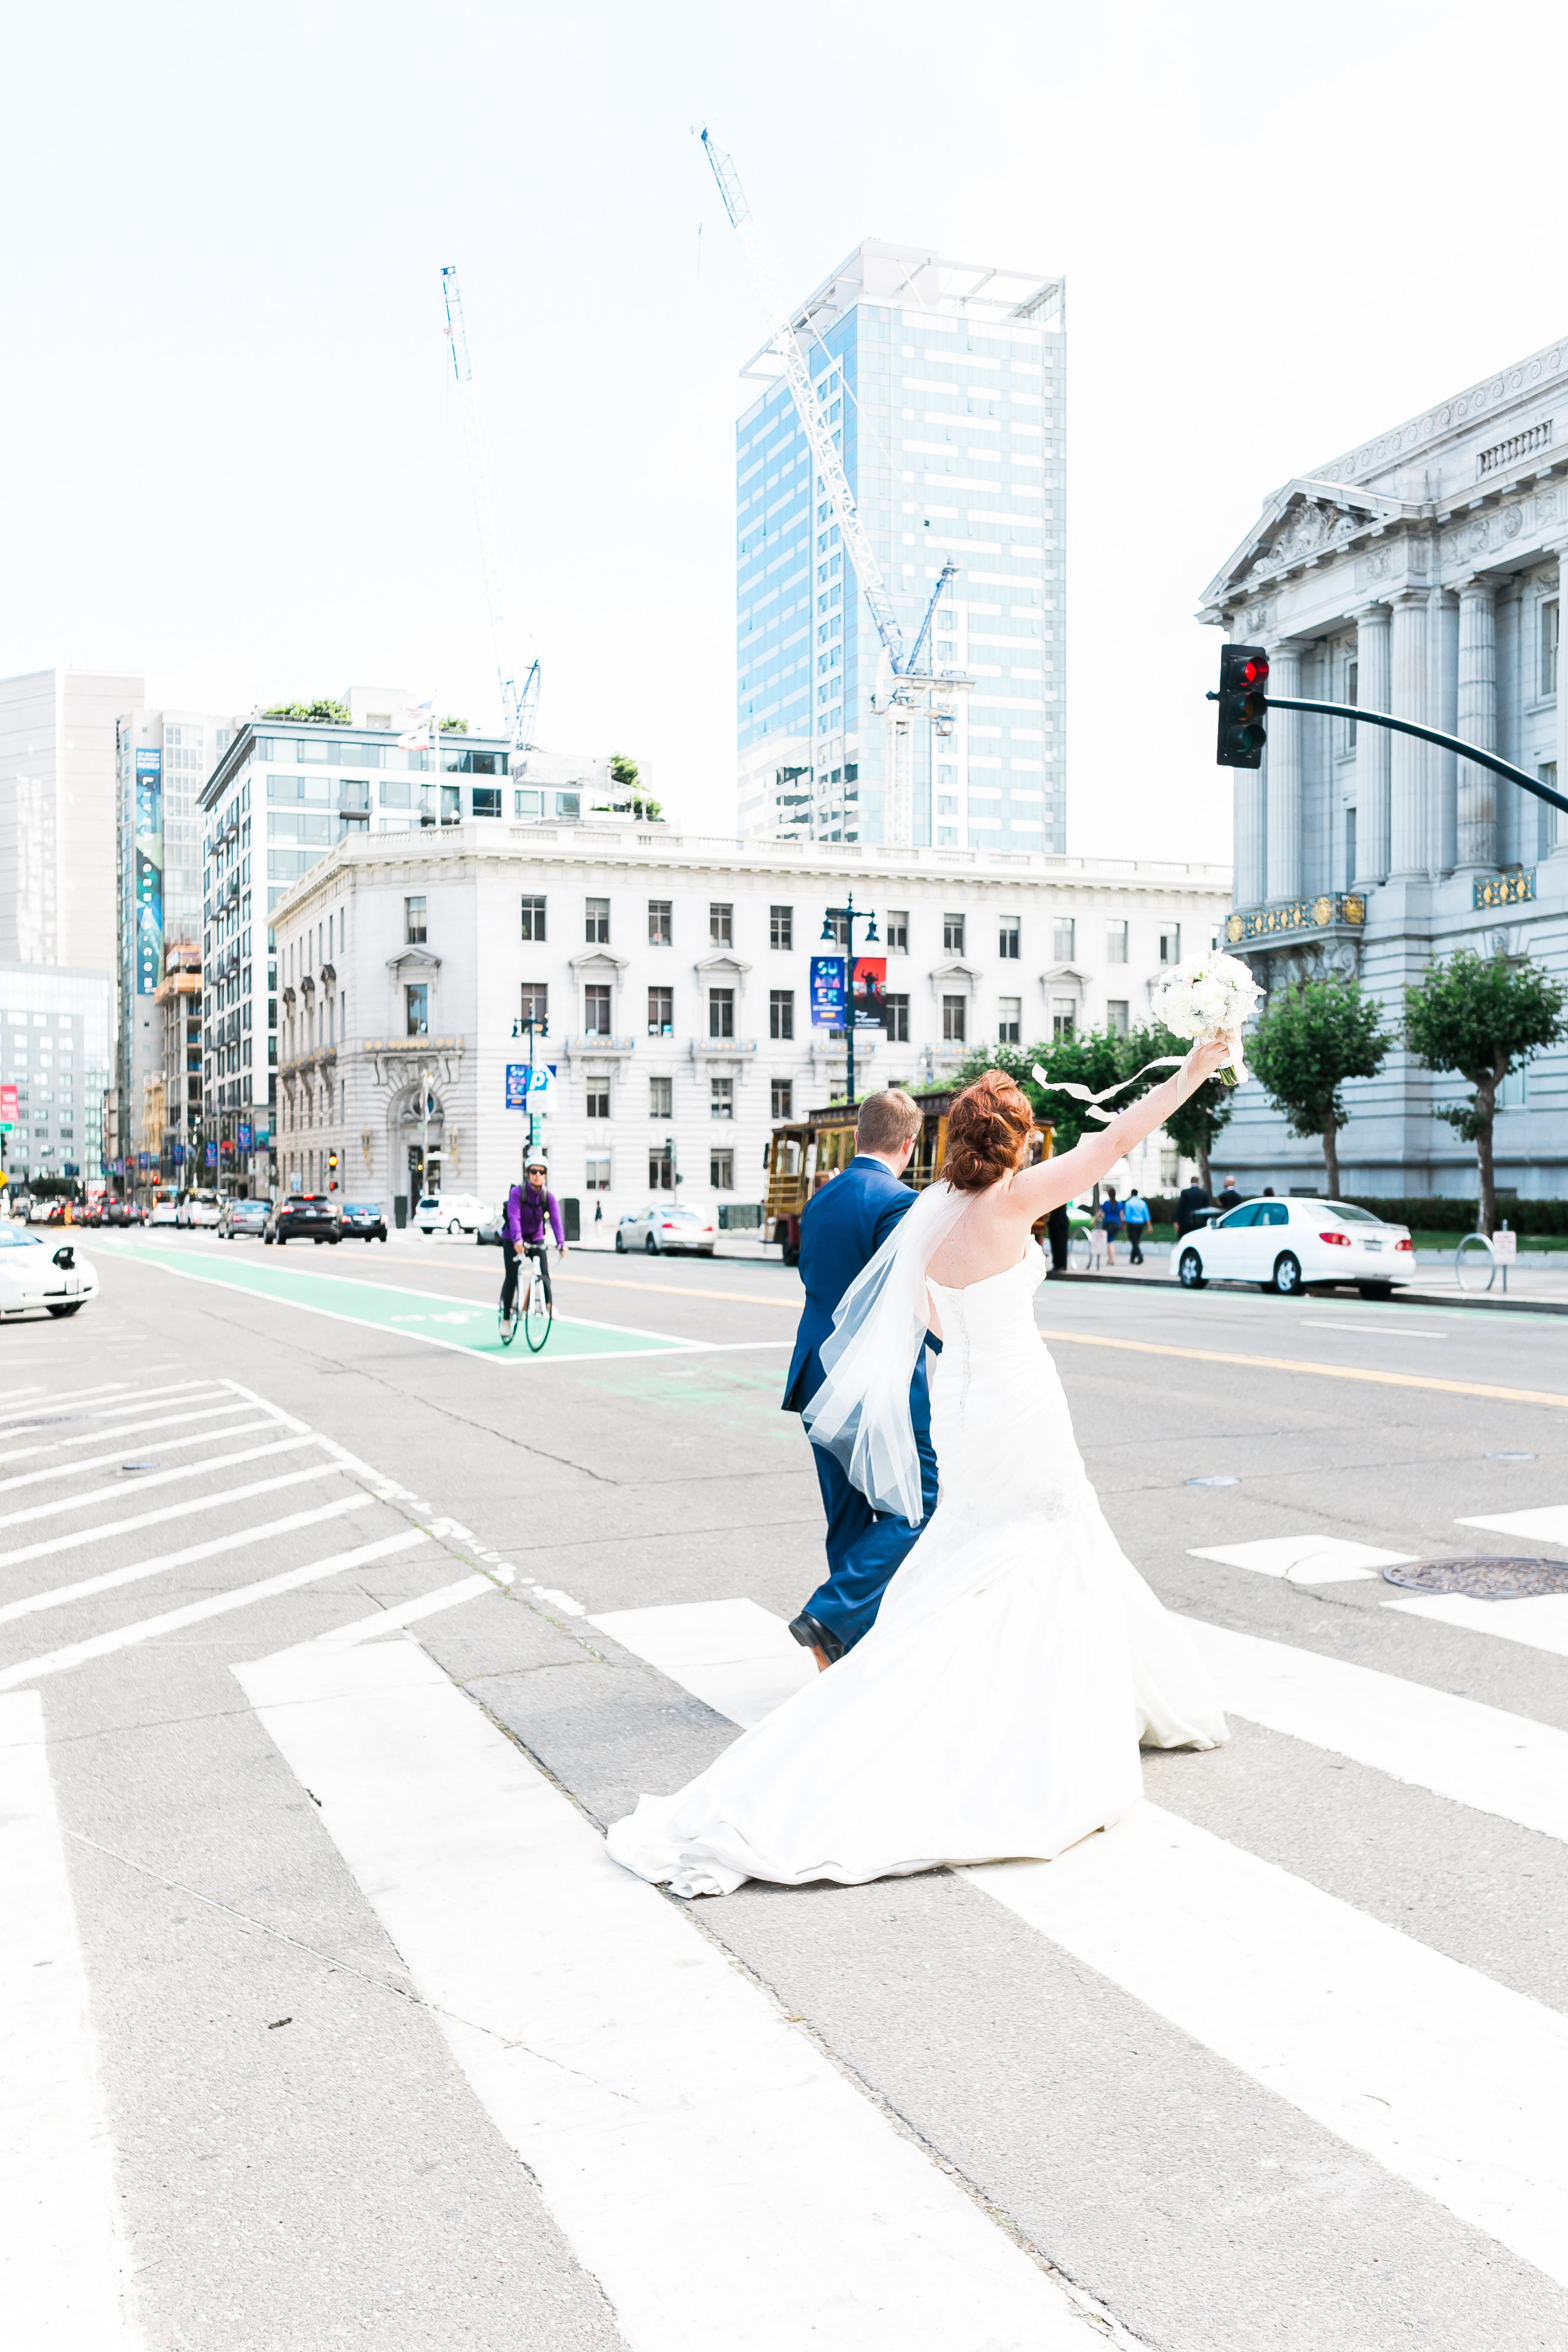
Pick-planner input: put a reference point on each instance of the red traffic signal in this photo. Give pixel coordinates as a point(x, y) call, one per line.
point(1243, 676)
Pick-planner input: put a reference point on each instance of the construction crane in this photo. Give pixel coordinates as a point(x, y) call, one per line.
point(902, 687)
point(520, 709)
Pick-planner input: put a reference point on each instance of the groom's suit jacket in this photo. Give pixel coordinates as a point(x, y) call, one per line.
point(843, 1228)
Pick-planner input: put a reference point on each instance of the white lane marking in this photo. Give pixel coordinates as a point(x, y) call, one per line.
point(409, 1613)
point(1550, 1523)
point(80, 1537)
point(60, 2256)
point(563, 1601)
point(60, 1595)
point(117, 1430)
point(1479, 1755)
point(153, 1478)
point(637, 2074)
point(1453, 2082)
point(132, 1401)
point(252, 1397)
point(1305, 1558)
point(1540, 1619)
point(739, 1659)
point(1370, 1330)
point(103, 1461)
point(195, 1613)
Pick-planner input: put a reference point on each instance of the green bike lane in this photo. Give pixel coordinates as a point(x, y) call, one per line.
point(437, 1319)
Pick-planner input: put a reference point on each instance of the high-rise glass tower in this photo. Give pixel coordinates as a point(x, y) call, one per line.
point(943, 384)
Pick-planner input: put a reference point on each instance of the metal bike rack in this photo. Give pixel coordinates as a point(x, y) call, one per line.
point(1480, 1241)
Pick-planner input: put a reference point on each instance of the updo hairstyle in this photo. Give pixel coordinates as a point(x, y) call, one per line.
point(987, 1132)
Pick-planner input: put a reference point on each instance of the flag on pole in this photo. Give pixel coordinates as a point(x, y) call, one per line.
point(418, 720)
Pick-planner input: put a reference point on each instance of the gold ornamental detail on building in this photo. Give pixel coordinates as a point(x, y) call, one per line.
point(1506, 889)
point(1327, 911)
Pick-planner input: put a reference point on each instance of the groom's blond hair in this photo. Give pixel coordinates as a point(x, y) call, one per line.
point(887, 1120)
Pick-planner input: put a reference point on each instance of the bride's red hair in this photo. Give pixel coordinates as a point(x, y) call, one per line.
point(987, 1132)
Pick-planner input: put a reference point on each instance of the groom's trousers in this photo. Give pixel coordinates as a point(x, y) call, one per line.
point(864, 1546)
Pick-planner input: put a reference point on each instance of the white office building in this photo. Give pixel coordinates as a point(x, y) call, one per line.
point(55, 1032)
point(57, 834)
point(674, 973)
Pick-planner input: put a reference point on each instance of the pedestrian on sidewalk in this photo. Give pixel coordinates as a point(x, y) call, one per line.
point(1230, 1198)
point(1111, 1209)
point(1058, 1232)
point(1192, 1200)
point(1099, 1247)
point(1135, 1218)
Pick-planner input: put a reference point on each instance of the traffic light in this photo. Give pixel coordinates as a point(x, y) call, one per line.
point(1243, 676)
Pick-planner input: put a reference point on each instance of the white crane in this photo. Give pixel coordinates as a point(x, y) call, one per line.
point(905, 689)
point(520, 710)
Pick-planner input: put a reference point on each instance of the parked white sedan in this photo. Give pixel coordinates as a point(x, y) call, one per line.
point(43, 1270)
point(1289, 1247)
point(657, 1228)
point(450, 1213)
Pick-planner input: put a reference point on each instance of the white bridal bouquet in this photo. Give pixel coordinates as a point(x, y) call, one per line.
point(1209, 996)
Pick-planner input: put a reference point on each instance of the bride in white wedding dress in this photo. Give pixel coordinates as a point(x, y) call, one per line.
point(994, 1710)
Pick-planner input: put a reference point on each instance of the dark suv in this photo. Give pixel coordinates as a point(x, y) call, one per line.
point(363, 1221)
point(304, 1216)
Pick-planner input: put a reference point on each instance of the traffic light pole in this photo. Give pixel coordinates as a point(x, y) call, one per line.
point(1471, 751)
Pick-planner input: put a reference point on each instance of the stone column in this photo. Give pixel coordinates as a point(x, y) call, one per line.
point(1407, 757)
point(1372, 748)
point(1443, 711)
point(1251, 884)
point(1560, 816)
point(1478, 721)
point(1285, 775)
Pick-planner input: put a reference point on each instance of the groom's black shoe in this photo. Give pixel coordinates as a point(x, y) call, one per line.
point(813, 1636)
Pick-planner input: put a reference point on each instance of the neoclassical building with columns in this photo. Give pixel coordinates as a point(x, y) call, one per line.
point(1418, 574)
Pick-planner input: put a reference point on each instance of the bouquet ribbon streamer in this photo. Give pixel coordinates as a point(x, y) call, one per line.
point(1093, 1101)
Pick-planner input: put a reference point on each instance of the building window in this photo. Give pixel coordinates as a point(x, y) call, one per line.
point(780, 1012)
point(596, 922)
point(896, 1019)
point(661, 1097)
point(596, 1009)
point(781, 927)
point(660, 1168)
point(535, 1004)
point(1008, 945)
point(1352, 696)
point(1064, 939)
point(533, 919)
point(782, 1098)
point(721, 1172)
point(596, 1176)
point(1063, 1015)
point(1548, 638)
point(660, 923)
point(1350, 849)
point(661, 1012)
point(1171, 943)
point(722, 1098)
point(721, 925)
point(896, 931)
point(596, 1103)
point(1115, 1015)
point(1009, 1020)
point(487, 800)
point(835, 928)
point(1116, 943)
point(416, 998)
point(720, 1012)
point(952, 934)
point(1545, 814)
point(952, 1009)
point(413, 922)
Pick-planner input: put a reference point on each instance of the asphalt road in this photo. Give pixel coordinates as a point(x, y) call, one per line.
point(325, 2022)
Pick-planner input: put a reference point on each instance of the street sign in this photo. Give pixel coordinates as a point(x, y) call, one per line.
point(1505, 1248)
point(528, 1084)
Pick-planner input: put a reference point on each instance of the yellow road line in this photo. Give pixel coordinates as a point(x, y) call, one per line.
point(1323, 1371)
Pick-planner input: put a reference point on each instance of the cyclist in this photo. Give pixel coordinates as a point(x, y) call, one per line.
point(523, 1233)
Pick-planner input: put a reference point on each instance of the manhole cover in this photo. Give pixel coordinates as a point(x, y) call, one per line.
point(1484, 1577)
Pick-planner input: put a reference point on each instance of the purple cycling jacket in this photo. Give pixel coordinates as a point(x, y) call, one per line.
point(525, 1214)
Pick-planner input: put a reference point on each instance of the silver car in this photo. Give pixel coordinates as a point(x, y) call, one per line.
point(659, 1227)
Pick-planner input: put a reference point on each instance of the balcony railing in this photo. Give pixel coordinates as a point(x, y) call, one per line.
point(1330, 911)
point(1515, 889)
point(1505, 454)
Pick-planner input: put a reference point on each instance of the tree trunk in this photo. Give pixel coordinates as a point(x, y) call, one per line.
point(1331, 1156)
point(1204, 1179)
point(1485, 1111)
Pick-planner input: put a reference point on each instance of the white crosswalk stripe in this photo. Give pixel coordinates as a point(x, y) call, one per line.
point(652, 2091)
point(62, 2266)
point(1459, 2089)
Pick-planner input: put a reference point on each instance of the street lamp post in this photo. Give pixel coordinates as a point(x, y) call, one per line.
point(838, 925)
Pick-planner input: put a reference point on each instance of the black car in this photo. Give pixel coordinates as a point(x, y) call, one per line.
point(304, 1216)
point(363, 1221)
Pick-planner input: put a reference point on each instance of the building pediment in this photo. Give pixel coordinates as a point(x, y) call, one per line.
point(1055, 973)
point(1304, 522)
point(956, 969)
point(589, 960)
point(409, 963)
point(722, 964)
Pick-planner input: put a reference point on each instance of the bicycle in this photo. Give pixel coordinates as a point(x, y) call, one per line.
point(540, 1310)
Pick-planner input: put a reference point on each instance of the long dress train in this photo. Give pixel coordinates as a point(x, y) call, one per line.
point(995, 1708)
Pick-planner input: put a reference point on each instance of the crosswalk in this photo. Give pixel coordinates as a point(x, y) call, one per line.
point(722, 2171)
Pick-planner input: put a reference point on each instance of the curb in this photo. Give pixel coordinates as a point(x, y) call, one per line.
point(1400, 1297)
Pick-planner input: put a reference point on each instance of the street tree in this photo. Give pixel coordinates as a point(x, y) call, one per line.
point(1482, 1016)
point(1195, 1126)
point(1087, 1057)
point(1314, 1036)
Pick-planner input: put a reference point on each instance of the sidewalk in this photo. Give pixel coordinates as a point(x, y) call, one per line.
point(1539, 1278)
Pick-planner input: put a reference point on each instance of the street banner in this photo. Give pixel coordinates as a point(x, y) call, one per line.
point(827, 992)
point(149, 871)
point(528, 1086)
point(179, 1158)
point(870, 992)
point(264, 1139)
point(210, 1155)
point(244, 1137)
point(7, 1107)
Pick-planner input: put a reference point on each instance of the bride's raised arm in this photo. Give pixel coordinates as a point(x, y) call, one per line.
point(1045, 1187)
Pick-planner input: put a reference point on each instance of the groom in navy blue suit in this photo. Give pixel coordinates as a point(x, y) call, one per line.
point(843, 1226)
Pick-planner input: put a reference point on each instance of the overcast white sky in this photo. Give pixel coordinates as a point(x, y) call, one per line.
point(233, 457)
